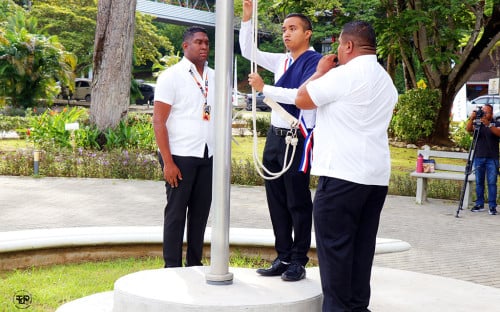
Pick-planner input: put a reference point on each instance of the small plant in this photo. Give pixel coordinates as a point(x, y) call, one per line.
point(244, 173)
point(402, 185)
point(415, 115)
point(134, 132)
point(8, 123)
point(49, 129)
point(262, 124)
point(460, 136)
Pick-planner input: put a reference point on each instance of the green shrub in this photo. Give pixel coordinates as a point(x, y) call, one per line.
point(115, 164)
point(460, 135)
point(262, 124)
point(243, 172)
point(87, 136)
point(134, 132)
point(12, 111)
point(402, 185)
point(13, 123)
point(49, 129)
point(415, 115)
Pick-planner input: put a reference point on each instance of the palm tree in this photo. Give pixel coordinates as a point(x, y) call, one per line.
point(31, 64)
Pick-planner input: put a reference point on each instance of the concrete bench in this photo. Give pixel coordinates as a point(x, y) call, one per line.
point(37, 247)
point(443, 171)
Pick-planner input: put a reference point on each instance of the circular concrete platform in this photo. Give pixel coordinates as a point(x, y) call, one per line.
point(186, 289)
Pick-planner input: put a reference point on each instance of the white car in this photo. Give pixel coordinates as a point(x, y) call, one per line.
point(239, 102)
point(82, 90)
point(493, 100)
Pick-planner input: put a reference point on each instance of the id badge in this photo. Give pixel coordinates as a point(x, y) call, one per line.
point(206, 112)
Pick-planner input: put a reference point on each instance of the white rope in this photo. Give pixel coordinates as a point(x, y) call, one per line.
point(291, 137)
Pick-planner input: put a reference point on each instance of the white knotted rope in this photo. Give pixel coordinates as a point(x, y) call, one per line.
point(291, 137)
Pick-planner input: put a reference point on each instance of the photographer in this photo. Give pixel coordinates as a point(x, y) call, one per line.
point(485, 156)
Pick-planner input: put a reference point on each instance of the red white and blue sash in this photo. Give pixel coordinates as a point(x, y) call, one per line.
point(308, 144)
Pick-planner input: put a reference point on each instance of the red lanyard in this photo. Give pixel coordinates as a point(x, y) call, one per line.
point(206, 107)
point(204, 93)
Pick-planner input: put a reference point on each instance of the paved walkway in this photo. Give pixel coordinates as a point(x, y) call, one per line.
point(465, 248)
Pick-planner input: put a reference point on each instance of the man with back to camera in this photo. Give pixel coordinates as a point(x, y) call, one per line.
point(351, 155)
point(184, 133)
point(485, 158)
point(289, 196)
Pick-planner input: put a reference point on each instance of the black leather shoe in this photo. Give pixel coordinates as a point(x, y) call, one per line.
point(295, 272)
point(276, 268)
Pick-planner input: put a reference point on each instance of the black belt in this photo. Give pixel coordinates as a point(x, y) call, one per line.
point(283, 132)
point(280, 131)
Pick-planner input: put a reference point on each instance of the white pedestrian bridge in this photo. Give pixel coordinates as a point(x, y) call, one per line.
point(183, 14)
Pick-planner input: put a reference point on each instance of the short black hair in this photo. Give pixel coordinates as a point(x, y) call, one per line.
point(191, 31)
point(490, 106)
point(360, 31)
point(305, 20)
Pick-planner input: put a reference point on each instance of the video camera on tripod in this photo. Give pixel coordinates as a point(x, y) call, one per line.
point(468, 167)
point(479, 115)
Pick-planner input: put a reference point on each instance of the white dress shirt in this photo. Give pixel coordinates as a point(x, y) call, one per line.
point(187, 131)
point(276, 63)
point(355, 103)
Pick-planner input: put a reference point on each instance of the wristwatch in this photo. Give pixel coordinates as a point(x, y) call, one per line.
point(491, 125)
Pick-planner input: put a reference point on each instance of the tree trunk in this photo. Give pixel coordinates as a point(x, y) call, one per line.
point(495, 60)
point(462, 71)
point(112, 64)
point(391, 66)
point(441, 134)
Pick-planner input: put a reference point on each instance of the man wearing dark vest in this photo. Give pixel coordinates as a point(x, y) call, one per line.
point(289, 196)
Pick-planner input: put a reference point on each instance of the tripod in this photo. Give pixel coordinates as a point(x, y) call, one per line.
point(470, 161)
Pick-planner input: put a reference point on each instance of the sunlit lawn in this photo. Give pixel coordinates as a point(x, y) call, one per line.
point(242, 147)
point(52, 286)
point(12, 144)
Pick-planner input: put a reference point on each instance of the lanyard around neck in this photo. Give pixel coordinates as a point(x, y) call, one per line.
point(203, 93)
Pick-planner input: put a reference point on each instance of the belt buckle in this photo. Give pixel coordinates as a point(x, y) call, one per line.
point(280, 132)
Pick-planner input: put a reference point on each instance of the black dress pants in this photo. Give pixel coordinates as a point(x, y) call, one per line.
point(188, 204)
point(289, 200)
point(346, 219)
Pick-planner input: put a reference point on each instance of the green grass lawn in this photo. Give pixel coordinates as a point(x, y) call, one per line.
point(12, 144)
point(52, 286)
point(403, 160)
point(242, 147)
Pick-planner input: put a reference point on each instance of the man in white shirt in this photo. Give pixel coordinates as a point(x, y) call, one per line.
point(184, 133)
point(289, 196)
point(351, 155)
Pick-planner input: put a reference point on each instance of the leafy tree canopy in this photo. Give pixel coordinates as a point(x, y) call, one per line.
point(7, 8)
point(30, 63)
point(446, 39)
point(73, 25)
point(74, 22)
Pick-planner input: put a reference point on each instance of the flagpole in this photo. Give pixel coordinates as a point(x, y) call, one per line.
point(235, 80)
point(219, 249)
